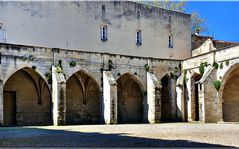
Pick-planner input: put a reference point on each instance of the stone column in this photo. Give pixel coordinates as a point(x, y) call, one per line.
point(58, 98)
point(201, 103)
point(153, 98)
point(219, 111)
point(173, 98)
point(1, 103)
point(180, 103)
point(189, 90)
point(110, 98)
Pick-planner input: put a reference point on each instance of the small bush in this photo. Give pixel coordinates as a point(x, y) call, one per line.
point(215, 65)
point(34, 67)
point(227, 62)
point(217, 84)
point(72, 64)
point(202, 68)
point(221, 66)
point(146, 67)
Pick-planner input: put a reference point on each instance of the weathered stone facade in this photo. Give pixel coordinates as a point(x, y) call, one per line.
point(82, 87)
point(60, 86)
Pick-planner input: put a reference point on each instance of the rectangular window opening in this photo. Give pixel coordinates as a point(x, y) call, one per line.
point(103, 33)
point(170, 41)
point(138, 37)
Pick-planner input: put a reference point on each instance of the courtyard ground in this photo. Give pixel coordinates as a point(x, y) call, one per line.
point(130, 135)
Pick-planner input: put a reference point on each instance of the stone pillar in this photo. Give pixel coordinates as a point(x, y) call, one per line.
point(1, 102)
point(173, 98)
point(58, 98)
point(201, 103)
point(189, 90)
point(110, 98)
point(180, 103)
point(153, 98)
point(219, 111)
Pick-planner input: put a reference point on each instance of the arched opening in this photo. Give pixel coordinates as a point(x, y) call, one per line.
point(166, 108)
point(82, 99)
point(130, 100)
point(230, 105)
point(195, 96)
point(26, 99)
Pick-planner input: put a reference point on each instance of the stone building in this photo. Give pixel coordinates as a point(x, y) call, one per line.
point(88, 62)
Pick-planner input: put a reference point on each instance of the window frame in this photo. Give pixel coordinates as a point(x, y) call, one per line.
point(103, 33)
point(138, 37)
point(170, 41)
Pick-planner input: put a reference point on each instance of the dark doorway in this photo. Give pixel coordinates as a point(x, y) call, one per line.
point(9, 105)
point(166, 106)
point(196, 78)
point(130, 100)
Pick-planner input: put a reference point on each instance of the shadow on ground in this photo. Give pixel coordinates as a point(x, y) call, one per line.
point(36, 137)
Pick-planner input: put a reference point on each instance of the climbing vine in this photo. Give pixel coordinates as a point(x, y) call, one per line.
point(48, 76)
point(110, 65)
point(221, 66)
point(185, 75)
point(146, 67)
point(72, 63)
point(217, 84)
point(227, 62)
point(59, 68)
point(202, 68)
point(34, 67)
point(215, 65)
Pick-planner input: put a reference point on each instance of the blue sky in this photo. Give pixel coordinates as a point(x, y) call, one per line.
point(222, 18)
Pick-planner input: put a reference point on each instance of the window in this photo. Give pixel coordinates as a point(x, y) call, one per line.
point(138, 37)
point(170, 41)
point(103, 8)
point(103, 33)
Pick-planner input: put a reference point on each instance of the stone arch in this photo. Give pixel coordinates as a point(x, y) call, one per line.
point(229, 95)
point(166, 105)
point(82, 99)
point(27, 98)
point(130, 99)
point(195, 96)
point(11, 72)
point(94, 78)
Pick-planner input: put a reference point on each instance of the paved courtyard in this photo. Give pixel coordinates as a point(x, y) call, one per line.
point(134, 135)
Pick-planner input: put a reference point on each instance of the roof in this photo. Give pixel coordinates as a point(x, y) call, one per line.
point(198, 40)
point(222, 44)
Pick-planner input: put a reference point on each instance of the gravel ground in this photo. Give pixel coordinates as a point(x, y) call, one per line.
point(132, 135)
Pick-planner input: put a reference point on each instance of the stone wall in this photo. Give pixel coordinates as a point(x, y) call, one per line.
point(87, 70)
point(76, 25)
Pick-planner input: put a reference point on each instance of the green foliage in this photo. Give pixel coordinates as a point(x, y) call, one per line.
point(202, 68)
point(34, 67)
point(170, 5)
point(72, 64)
point(227, 62)
point(215, 65)
point(59, 68)
point(49, 77)
point(217, 84)
point(185, 75)
point(221, 66)
point(110, 65)
point(174, 76)
point(198, 24)
point(146, 67)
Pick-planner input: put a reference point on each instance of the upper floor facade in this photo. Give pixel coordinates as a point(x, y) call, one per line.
point(118, 27)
